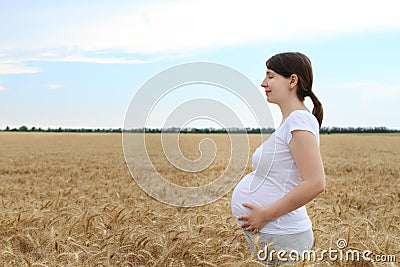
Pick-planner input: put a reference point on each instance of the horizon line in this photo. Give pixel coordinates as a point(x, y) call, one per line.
point(328, 129)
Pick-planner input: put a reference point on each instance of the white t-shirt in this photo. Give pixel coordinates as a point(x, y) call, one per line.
point(274, 175)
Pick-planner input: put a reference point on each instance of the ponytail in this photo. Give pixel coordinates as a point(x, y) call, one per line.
point(317, 111)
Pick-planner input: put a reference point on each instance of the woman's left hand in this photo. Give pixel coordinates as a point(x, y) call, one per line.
point(256, 219)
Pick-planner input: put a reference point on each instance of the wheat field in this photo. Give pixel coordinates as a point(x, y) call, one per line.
point(70, 200)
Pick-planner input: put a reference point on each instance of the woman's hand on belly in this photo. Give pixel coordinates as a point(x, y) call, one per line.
point(256, 219)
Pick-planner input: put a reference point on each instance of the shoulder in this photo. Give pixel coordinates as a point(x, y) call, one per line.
point(299, 120)
point(302, 117)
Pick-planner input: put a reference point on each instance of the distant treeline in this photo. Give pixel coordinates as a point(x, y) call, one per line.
point(323, 130)
point(61, 130)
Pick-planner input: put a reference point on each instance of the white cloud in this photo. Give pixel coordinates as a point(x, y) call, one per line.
point(104, 60)
point(12, 63)
point(55, 86)
point(17, 69)
point(371, 92)
point(2, 87)
point(184, 26)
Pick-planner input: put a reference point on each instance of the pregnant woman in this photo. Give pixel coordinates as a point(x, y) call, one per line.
point(287, 168)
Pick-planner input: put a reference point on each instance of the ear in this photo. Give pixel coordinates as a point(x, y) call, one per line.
point(293, 80)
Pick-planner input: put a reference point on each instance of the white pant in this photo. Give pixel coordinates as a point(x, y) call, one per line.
point(275, 250)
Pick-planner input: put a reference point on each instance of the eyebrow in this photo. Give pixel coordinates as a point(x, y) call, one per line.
point(269, 72)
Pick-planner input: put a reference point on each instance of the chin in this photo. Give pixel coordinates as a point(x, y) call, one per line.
point(271, 101)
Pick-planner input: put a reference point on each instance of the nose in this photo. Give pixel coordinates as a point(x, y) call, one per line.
point(264, 83)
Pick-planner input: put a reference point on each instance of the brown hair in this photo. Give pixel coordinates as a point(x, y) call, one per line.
point(290, 63)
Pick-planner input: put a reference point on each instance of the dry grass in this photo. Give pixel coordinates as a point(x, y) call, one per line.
point(69, 200)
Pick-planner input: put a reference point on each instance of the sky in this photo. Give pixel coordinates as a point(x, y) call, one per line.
point(78, 64)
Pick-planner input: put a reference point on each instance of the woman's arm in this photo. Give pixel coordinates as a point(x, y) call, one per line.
point(305, 151)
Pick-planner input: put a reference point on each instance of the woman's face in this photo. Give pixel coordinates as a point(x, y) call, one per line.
point(276, 87)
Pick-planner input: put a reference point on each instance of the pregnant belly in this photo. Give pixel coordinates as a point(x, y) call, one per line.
point(294, 222)
point(241, 194)
point(263, 196)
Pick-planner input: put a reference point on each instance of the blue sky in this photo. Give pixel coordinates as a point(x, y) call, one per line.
point(79, 63)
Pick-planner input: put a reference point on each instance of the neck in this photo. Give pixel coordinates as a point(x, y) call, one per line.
point(287, 108)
